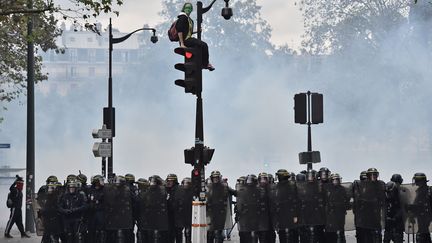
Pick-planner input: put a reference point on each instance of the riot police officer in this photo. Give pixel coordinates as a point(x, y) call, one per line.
point(324, 175)
point(130, 182)
point(312, 212)
point(369, 199)
point(264, 183)
point(49, 213)
point(422, 208)
point(284, 207)
point(96, 229)
point(217, 206)
point(153, 210)
point(336, 204)
point(171, 186)
point(142, 234)
point(394, 226)
point(72, 205)
point(42, 199)
point(183, 209)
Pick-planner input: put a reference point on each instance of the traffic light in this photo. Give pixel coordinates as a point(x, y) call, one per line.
point(192, 67)
point(300, 108)
point(196, 181)
point(192, 156)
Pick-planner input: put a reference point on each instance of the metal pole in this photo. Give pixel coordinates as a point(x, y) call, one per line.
point(199, 18)
point(309, 165)
point(199, 140)
point(110, 105)
point(30, 154)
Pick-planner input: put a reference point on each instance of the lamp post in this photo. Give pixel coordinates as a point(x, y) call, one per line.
point(109, 112)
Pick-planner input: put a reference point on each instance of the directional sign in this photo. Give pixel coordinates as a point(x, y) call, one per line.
point(5, 145)
point(102, 149)
point(102, 133)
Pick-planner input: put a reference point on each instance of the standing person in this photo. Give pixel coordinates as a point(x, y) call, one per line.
point(184, 27)
point(394, 224)
point(15, 198)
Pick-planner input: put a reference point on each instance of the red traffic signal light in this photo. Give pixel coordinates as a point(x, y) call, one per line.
point(192, 68)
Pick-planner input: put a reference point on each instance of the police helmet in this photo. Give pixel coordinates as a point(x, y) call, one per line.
point(324, 173)
point(51, 179)
point(363, 176)
point(301, 177)
point(82, 178)
point(71, 177)
point(215, 173)
point(397, 178)
point(420, 178)
point(130, 178)
point(311, 175)
point(251, 179)
point(172, 177)
point(282, 175)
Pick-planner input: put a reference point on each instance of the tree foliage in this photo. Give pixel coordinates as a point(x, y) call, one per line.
point(334, 25)
point(15, 15)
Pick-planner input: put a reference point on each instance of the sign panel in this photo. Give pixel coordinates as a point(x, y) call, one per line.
point(102, 149)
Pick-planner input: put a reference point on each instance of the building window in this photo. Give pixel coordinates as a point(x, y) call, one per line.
point(73, 72)
point(72, 39)
point(73, 55)
point(91, 71)
point(82, 55)
point(89, 39)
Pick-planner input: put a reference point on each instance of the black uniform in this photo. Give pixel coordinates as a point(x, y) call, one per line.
point(72, 207)
point(174, 232)
point(96, 223)
point(394, 226)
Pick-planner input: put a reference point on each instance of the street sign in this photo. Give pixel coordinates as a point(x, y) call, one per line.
point(309, 157)
point(102, 149)
point(5, 145)
point(102, 133)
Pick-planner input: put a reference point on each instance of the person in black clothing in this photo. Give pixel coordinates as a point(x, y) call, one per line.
point(72, 205)
point(185, 26)
point(15, 198)
point(171, 187)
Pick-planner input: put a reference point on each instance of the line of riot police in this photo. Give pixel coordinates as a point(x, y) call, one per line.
point(316, 207)
point(310, 207)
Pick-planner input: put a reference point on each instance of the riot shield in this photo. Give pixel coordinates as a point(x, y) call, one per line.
point(349, 217)
point(216, 206)
point(183, 207)
point(284, 205)
point(336, 205)
point(153, 209)
point(263, 213)
point(311, 201)
point(117, 207)
point(247, 208)
point(416, 208)
point(370, 204)
point(36, 208)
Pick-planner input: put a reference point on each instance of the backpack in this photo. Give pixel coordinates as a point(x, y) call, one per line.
point(172, 32)
point(9, 202)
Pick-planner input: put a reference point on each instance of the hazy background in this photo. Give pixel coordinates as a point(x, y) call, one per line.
point(376, 101)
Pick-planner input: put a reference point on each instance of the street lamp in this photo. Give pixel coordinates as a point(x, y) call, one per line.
point(109, 112)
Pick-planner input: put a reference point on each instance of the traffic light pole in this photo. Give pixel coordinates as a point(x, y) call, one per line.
point(309, 165)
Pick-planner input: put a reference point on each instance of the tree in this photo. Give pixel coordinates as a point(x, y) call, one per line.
point(332, 26)
point(14, 18)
